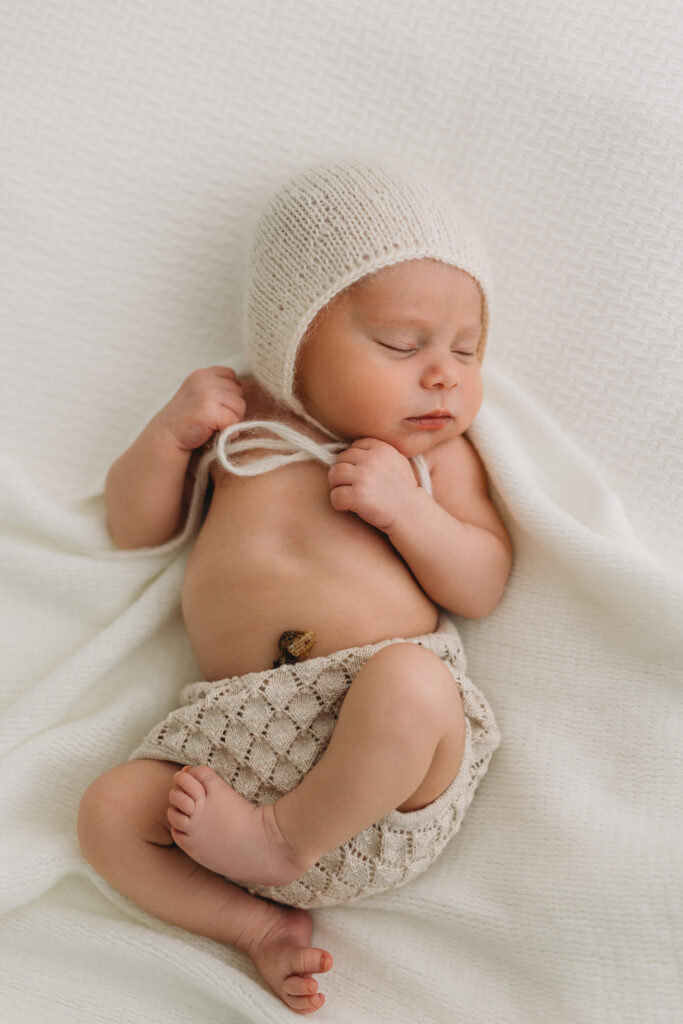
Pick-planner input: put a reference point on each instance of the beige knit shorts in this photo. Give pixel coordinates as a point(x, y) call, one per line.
point(262, 732)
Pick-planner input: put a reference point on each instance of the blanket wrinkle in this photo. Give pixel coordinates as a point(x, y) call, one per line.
point(46, 702)
point(599, 551)
point(34, 863)
point(195, 970)
point(564, 479)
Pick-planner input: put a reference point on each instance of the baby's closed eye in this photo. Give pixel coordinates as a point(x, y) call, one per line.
point(407, 345)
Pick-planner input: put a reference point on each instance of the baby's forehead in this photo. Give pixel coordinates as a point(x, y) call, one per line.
point(420, 281)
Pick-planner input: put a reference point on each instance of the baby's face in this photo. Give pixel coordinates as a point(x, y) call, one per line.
point(394, 357)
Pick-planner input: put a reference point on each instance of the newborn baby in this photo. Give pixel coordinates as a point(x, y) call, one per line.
point(336, 743)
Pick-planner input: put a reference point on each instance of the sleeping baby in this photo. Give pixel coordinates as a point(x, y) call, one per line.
point(337, 741)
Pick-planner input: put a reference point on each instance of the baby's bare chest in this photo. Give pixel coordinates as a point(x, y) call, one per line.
point(283, 521)
point(274, 555)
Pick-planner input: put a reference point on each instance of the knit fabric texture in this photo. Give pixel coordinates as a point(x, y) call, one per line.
point(264, 731)
point(329, 227)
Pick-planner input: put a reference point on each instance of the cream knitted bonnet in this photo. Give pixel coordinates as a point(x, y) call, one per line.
point(327, 228)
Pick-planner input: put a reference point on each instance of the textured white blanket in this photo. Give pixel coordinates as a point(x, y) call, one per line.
point(141, 139)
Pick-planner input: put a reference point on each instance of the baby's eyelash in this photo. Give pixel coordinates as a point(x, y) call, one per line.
point(411, 347)
point(396, 348)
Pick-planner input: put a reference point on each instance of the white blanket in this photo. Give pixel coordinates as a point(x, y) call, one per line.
point(141, 140)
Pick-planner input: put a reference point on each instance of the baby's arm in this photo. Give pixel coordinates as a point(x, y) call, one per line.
point(454, 543)
point(144, 487)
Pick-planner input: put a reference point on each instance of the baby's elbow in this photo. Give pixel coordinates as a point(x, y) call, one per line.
point(133, 523)
point(117, 531)
point(483, 604)
point(122, 537)
point(123, 541)
point(132, 539)
point(483, 599)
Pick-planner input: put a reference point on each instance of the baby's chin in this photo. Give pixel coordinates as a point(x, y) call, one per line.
point(410, 446)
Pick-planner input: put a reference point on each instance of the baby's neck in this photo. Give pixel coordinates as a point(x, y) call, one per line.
point(261, 405)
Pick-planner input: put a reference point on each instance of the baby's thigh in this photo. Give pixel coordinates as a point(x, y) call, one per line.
point(411, 692)
point(132, 797)
point(403, 688)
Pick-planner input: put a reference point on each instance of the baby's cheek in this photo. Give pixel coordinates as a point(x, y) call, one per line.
point(474, 392)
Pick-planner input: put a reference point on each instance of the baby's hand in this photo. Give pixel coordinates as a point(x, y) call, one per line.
point(207, 401)
point(373, 479)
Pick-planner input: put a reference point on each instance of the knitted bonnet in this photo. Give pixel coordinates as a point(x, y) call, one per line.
point(327, 228)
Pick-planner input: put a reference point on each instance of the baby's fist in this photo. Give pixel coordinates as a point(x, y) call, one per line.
point(374, 480)
point(208, 400)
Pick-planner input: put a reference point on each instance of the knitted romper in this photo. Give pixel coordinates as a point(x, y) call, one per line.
point(263, 732)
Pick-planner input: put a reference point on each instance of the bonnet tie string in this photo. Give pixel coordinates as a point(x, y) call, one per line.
point(286, 439)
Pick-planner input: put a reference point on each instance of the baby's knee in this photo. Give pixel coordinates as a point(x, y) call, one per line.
point(414, 679)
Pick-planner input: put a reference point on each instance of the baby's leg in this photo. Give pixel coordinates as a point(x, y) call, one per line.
point(125, 835)
point(398, 743)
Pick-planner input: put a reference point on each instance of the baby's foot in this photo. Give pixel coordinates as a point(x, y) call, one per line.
point(219, 829)
point(286, 961)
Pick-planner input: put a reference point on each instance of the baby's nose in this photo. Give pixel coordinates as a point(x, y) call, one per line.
point(442, 373)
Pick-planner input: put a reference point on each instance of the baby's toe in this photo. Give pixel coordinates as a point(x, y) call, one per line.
point(305, 960)
point(186, 782)
point(305, 1004)
point(298, 986)
point(177, 820)
point(182, 801)
point(204, 776)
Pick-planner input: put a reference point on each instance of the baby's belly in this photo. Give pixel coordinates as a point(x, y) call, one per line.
point(269, 560)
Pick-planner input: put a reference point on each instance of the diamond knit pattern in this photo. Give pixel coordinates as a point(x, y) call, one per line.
point(262, 732)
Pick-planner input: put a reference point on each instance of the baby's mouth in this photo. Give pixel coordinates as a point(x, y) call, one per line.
point(436, 420)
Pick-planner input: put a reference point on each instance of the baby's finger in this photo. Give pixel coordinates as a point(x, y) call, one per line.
point(235, 404)
point(341, 498)
point(350, 455)
point(227, 386)
point(365, 444)
point(341, 473)
point(226, 372)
